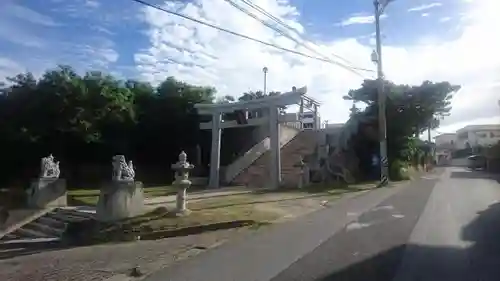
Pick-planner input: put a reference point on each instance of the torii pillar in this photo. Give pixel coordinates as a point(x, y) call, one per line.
point(274, 136)
point(215, 150)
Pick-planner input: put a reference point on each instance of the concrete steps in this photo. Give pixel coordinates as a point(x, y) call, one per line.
point(257, 174)
point(50, 225)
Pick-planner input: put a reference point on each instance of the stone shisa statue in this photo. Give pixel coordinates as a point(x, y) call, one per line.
point(182, 168)
point(48, 190)
point(49, 169)
point(121, 170)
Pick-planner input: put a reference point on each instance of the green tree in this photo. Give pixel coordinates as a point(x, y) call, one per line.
point(87, 118)
point(409, 109)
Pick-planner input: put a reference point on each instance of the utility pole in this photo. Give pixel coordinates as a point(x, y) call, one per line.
point(377, 56)
point(265, 69)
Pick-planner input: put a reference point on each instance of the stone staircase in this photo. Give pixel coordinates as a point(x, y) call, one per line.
point(257, 174)
point(50, 225)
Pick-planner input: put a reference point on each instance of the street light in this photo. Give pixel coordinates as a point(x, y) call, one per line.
point(376, 57)
point(265, 69)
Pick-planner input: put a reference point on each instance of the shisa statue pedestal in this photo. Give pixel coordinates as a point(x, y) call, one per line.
point(123, 197)
point(48, 190)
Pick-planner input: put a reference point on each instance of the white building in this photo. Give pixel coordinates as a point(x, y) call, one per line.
point(445, 145)
point(477, 135)
point(446, 140)
point(308, 120)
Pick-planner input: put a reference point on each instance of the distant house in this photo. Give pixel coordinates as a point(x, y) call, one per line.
point(308, 120)
point(477, 135)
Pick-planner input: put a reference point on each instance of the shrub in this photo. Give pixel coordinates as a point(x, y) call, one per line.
point(398, 170)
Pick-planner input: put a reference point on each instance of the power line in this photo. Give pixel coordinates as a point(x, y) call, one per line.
point(287, 35)
point(280, 22)
point(234, 33)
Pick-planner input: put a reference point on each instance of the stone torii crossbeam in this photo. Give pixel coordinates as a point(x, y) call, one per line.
point(270, 106)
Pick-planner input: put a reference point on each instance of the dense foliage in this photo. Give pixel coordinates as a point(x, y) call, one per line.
point(410, 110)
point(86, 119)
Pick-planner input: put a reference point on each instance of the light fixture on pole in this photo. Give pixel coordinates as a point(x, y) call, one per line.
point(265, 69)
point(376, 57)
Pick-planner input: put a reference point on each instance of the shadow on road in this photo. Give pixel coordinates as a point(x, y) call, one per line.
point(480, 261)
point(475, 175)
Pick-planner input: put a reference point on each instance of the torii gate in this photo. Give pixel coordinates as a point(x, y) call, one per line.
point(271, 116)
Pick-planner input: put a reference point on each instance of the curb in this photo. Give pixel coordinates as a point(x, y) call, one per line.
point(197, 229)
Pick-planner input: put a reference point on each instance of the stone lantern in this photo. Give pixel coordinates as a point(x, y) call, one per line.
point(182, 182)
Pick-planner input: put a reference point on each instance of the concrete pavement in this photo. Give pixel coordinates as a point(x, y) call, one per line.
point(442, 227)
point(384, 228)
point(263, 255)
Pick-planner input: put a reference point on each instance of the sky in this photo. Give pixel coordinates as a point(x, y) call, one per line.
point(437, 40)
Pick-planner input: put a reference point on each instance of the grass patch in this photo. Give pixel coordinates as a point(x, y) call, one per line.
point(161, 223)
point(319, 192)
point(253, 210)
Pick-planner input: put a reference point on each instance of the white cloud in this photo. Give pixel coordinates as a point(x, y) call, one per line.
point(92, 3)
point(445, 19)
point(425, 7)
point(202, 55)
point(425, 14)
point(457, 126)
point(90, 49)
point(8, 66)
point(359, 19)
point(27, 14)
point(12, 33)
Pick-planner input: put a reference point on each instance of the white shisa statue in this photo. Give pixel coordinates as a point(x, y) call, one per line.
point(49, 169)
point(121, 170)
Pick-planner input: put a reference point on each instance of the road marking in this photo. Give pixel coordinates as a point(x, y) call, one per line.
point(388, 207)
point(356, 225)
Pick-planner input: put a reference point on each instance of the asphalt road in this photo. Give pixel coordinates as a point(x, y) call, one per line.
point(441, 227)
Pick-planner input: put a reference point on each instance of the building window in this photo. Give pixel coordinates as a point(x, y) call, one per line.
point(308, 125)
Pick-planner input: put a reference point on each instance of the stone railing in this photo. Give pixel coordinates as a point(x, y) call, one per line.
point(232, 170)
point(296, 125)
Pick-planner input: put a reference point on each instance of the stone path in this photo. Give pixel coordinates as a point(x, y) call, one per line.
point(105, 261)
